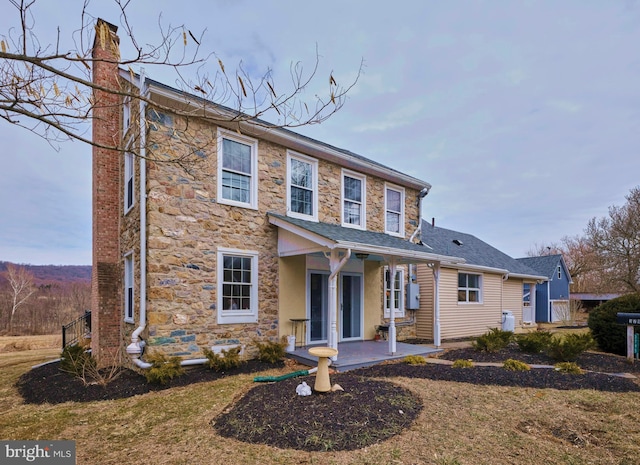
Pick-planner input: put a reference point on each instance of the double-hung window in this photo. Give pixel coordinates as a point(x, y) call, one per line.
point(353, 200)
point(394, 210)
point(126, 114)
point(237, 286)
point(398, 294)
point(302, 186)
point(237, 170)
point(469, 289)
point(128, 287)
point(129, 195)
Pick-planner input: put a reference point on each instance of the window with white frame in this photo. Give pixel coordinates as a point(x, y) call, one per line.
point(394, 210)
point(128, 287)
point(353, 200)
point(237, 286)
point(126, 114)
point(398, 296)
point(302, 186)
point(237, 170)
point(129, 195)
point(469, 287)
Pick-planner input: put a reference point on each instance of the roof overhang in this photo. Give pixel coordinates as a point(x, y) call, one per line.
point(488, 269)
point(296, 239)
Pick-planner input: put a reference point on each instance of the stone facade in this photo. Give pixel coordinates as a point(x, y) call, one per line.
point(186, 227)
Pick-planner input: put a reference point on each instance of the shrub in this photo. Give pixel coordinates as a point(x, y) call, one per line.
point(223, 361)
point(568, 367)
point(77, 360)
point(270, 352)
point(415, 360)
point(460, 363)
point(493, 341)
point(533, 343)
point(163, 369)
point(515, 365)
point(610, 336)
point(568, 348)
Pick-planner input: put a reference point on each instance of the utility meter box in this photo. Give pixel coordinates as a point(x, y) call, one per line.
point(413, 296)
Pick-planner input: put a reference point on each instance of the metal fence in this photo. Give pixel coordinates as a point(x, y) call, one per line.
point(77, 330)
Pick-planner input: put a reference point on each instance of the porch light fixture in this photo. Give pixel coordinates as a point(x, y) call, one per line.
point(362, 256)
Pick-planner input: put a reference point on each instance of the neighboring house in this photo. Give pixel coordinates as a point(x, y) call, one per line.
point(269, 226)
point(552, 298)
point(467, 299)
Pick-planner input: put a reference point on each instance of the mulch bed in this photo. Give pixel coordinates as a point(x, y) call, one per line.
point(369, 410)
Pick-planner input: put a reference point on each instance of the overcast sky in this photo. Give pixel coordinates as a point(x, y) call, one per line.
point(523, 115)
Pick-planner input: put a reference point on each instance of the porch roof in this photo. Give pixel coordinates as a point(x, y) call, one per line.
point(299, 237)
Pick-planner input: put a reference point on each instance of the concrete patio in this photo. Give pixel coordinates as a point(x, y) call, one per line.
point(358, 354)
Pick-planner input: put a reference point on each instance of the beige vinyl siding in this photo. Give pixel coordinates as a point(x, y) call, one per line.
point(512, 299)
point(425, 315)
point(459, 319)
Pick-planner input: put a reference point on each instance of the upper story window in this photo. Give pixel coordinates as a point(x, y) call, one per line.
point(129, 170)
point(469, 288)
point(128, 287)
point(302, 186)
point(237, 286)
point(237, 170)
point(559, 272)
point(398, 295)
point(353, 200)
point(126, 114)
point(394, 210)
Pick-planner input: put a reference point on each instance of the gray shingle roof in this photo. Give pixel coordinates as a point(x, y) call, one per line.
point(546, 265)
point(473, 250)
point(339, 233)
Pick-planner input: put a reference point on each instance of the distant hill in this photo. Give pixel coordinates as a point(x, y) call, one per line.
point(55, 274)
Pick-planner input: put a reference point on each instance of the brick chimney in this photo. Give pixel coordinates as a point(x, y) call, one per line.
point(106, 289)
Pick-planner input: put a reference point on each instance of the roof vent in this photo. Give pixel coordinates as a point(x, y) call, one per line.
point(457, 242)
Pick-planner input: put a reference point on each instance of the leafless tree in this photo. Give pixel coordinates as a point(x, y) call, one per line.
point(616, 241)
point(48, 89)
point(583, 263)
point(22, 288)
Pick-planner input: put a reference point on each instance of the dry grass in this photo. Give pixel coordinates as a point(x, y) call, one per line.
point(460, 424)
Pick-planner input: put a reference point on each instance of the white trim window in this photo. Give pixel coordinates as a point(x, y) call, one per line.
point(302, 186)
point(237, 286)
point(398, 294)
point(394, 210)
point(354, 200)
point(237, 170)
point(128, 288)
point(126, 114)
point(129, 184)
point(469, 288)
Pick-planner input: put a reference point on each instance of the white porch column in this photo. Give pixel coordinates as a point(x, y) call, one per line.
point(392, 306)
point(335, 265)
point(436, 305)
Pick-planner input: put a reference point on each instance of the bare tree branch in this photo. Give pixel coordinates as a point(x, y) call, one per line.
point(50, 91)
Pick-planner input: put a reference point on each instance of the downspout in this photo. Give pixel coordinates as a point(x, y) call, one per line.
point(136, 347)
point(333, 295)
point(421, 195)
point(436, 305)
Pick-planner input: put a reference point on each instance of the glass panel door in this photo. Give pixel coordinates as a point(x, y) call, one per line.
point(351, 309)
point(318, 308)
